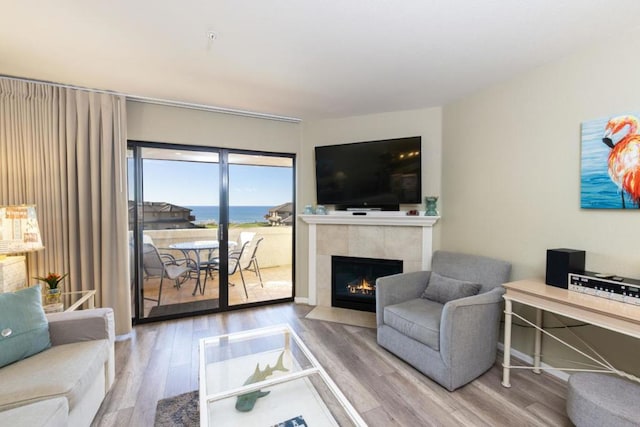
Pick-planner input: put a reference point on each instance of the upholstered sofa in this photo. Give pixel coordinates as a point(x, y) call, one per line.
point(447, 329)
point(65, 384)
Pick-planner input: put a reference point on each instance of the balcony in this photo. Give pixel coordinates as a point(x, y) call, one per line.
point(274, 256)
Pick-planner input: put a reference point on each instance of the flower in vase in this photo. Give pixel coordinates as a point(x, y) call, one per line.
point(52, 279)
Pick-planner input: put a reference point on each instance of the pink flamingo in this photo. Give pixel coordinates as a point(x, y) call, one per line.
point(624, 158)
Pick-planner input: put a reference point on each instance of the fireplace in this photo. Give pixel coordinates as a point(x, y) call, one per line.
point(353, 280)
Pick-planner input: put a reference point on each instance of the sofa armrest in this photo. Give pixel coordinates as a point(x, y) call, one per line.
point(81, 325)
point(469, 327)
point(398, 288)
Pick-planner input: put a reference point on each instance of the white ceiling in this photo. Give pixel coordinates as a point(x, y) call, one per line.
point(299, 58)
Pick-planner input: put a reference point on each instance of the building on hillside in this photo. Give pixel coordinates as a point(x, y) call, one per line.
point(163, 216)
point(280, 215)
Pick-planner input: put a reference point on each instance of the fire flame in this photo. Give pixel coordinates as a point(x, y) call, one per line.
point(362, 287)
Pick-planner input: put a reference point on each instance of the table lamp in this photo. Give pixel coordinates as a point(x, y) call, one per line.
point(19, 233)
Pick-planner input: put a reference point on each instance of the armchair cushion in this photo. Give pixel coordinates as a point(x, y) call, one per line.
point(24, 330)
point(443, 289)
point(417, 318)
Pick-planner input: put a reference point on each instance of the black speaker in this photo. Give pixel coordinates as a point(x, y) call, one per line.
point(561, 262)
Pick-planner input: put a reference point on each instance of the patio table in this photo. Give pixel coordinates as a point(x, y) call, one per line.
point(197, 247)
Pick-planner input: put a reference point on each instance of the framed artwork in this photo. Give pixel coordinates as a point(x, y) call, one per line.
point(610, 168)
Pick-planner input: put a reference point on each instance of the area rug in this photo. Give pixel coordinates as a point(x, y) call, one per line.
point(181, 410)
point(364, 319)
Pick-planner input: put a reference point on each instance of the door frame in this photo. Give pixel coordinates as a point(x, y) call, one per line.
point(223, 227)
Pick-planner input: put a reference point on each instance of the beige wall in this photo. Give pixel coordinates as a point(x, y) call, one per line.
point(426, 123)
point(159, 123)
point(511, 174)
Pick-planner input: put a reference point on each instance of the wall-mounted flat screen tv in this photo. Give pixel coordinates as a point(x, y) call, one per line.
point(375, 174)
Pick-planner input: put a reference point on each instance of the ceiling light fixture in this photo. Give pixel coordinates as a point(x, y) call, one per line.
point(212, 35)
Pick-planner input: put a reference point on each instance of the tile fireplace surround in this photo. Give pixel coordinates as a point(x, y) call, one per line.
point(387, 235)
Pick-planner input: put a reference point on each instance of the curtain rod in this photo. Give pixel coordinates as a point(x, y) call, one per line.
point(166, 102)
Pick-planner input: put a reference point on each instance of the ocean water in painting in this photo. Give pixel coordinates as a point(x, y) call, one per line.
point(597, 190)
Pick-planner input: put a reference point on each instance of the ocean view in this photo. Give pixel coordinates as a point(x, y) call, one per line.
point(237, 214)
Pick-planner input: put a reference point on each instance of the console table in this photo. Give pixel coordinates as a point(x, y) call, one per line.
point(72, 301)
point(605, 313)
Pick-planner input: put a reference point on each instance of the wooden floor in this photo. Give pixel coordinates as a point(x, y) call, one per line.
point(161, 360)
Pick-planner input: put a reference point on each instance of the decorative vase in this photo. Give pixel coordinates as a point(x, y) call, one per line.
point(53, 296)
point(432, 204)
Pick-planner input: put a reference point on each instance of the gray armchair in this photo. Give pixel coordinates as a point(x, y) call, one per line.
point(452, 342)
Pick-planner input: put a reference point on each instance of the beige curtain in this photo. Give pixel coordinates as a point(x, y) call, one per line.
point(64, 151)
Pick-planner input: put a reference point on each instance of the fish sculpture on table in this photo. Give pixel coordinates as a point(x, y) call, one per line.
point(247, 401)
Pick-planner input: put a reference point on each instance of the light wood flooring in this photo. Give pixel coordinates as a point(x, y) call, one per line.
point(161, 360)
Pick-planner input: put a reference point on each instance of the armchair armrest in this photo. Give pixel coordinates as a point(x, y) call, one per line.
point(397, 288)
point(82, 325)
point(469, 326)
point(491, 297)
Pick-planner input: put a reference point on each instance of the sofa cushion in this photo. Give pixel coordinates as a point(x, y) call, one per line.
point(61, 371)
point(24, 329)
point(443, 289)
point(46, 413)
point(416, 318)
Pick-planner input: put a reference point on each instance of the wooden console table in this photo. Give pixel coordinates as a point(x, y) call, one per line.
point(605, 313)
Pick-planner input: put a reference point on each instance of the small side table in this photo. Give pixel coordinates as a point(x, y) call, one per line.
point(72, 301)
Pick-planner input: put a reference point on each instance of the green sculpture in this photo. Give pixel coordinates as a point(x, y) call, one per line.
point(246, 402)
point(432, 204)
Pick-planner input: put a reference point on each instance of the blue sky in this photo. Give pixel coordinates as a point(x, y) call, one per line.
point(195, 183)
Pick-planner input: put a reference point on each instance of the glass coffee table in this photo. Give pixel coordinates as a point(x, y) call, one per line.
point(268, 377)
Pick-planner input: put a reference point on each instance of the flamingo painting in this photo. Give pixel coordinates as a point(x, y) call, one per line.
point(624, 159)
point(611, 162)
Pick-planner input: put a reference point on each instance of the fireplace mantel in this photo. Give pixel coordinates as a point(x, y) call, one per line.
point(363, 235)
point(372, 218)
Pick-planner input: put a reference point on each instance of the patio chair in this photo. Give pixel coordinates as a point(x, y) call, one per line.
point(245, 236)
point(240, 260)
point(213, 258)
point(253, 261)
point(155, 264)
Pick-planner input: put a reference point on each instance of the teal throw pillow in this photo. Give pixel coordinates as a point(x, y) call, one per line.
point(24, 329)
point(443, 289)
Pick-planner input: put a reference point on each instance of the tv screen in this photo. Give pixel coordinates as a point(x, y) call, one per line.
point(375, 174)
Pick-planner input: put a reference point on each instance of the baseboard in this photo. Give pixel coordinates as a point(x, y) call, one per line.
point(529, 360)
point(301, 300)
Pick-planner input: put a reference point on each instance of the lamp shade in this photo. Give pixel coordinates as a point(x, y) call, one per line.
point(19, 231)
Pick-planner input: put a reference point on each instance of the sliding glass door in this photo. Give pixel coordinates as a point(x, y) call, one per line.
point(209, 228)
point(174, 216)
point(261, 220)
